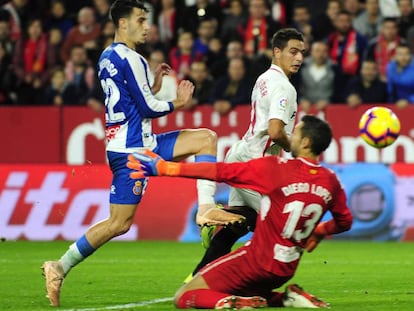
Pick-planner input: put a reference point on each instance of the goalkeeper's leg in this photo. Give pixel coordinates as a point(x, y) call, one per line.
point(224, 239)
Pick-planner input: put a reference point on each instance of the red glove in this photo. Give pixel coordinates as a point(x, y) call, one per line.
point(317, 235)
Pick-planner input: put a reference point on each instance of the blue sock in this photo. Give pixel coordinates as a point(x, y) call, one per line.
point(84, 247)
point(205, 158)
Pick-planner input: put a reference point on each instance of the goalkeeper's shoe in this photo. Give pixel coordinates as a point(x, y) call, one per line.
point(217, 216)
point(54, 276)
point(296, 297)
point(241, 303)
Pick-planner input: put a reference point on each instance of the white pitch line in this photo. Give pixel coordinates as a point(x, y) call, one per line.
point(125, 306)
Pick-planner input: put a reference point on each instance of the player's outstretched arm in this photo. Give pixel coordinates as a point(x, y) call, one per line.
point(148, 163)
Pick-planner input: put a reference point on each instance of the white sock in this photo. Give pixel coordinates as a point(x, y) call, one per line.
point(71, 258)
point(206, 190)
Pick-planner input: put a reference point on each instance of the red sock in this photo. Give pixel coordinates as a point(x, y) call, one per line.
point(200, 298)
point(275, 299)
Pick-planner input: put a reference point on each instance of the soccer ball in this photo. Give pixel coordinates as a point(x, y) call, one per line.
point(379, 127)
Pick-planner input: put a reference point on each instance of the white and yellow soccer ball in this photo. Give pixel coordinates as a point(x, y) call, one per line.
point(379, 127)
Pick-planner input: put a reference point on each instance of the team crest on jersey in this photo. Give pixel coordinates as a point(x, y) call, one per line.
point(283, 103)
point(137, 189)
point(313, 171)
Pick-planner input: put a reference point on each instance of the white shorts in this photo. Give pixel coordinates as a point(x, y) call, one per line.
point(238, 196)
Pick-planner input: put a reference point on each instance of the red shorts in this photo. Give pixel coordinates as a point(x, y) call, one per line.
point(238, 274)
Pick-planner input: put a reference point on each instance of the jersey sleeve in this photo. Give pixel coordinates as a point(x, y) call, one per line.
point(257, 174)
point(278, 101)
point(137, 80)
point(342, 217)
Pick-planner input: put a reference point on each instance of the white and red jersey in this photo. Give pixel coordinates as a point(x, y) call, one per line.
point(296, 194)
point(273, 97)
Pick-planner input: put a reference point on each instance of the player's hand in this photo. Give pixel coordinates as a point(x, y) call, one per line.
point(146, 163)
point(185, 92)
point(316, 237)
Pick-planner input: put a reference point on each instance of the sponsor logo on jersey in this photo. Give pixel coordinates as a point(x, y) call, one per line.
point(111, 131)
point(283, 103)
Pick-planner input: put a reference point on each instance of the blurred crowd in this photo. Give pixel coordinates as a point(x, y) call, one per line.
point(357, 51)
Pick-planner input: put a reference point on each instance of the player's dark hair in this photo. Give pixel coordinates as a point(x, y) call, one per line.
point(281, 38)
point(318, 131)
point(123, 9)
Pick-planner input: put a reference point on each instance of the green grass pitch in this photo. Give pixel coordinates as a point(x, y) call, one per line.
point(144, 275)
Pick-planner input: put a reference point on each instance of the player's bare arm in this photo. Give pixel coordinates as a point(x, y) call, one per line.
point(277, 133)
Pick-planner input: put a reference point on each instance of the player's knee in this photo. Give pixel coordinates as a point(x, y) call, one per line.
point(119, 227)
point(209, 137)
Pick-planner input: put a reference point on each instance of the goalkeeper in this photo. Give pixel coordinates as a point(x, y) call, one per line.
point(296, 195)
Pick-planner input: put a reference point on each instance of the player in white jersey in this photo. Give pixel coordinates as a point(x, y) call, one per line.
point(274, 107)
point(130, 107)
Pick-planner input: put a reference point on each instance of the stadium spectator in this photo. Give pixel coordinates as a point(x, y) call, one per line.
point(289, 223)
point(346, 49)
point(206, 31)
point(18, 17)
point(202, 81)
point(400, 73)
point(85, 33)
point(168, 88)
point(302, 21)
point(231, 89)
point(317, 79)
point(200, 10)
point(152, 43)
point(267, 135)
point(259, 29)
point(101, 11)
point(234, 49)
point(33, 60)
point(233, 21)
point(80, 74)
point(366, 87)
point(60, 92)
point(183, 55)
point(323, 24)
point(260, 63)
point(354, 7)
point(166, 20)
point(5, 37)
point(107, 35)
point(382, 48)
point(389, 8)
point(406, 18)
point(130, 108)
point(279, 11)
point(410, 38)
point(58, 18)
point(56, 41)
point(6, 76)
point(369, 22)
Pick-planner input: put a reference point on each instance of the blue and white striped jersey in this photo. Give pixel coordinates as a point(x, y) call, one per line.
point(130, 104)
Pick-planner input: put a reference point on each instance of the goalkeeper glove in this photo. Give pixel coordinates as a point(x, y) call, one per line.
point(316, 237)
point(148, 163)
